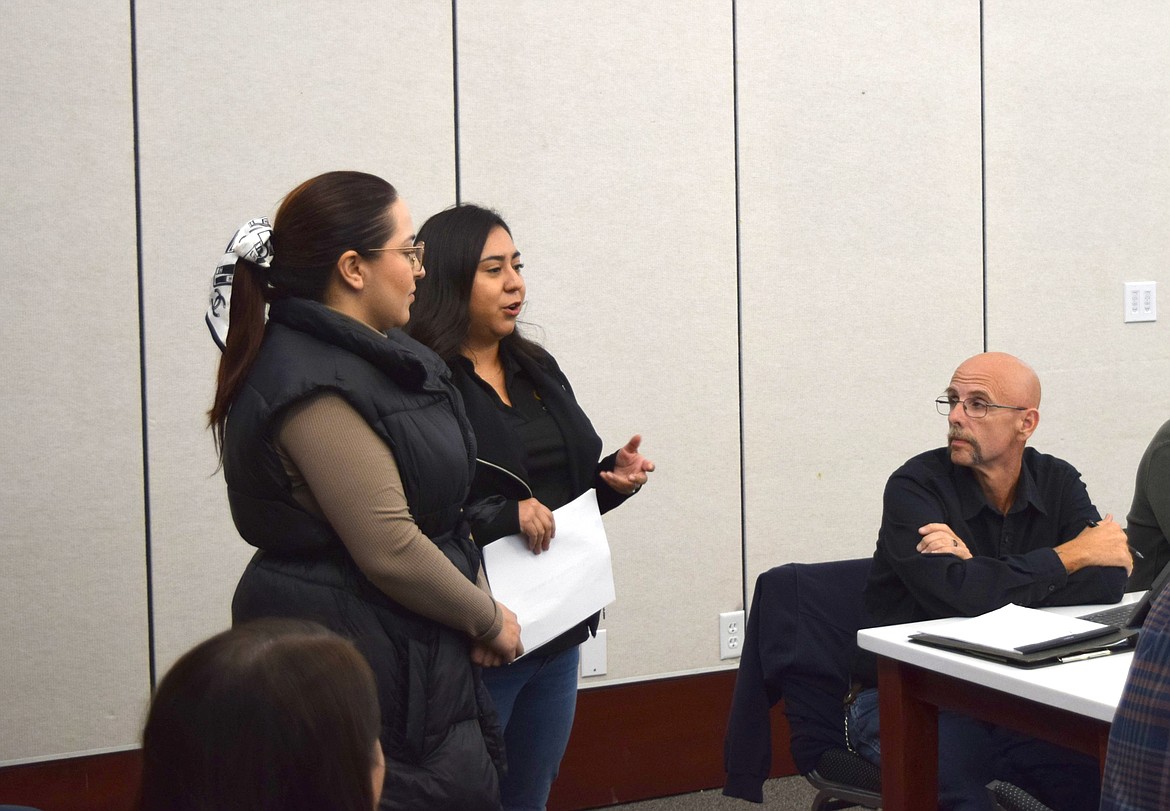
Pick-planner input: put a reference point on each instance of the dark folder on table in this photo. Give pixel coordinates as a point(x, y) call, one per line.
point(1117, 632)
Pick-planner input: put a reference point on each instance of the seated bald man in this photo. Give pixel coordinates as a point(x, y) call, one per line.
point(971, 527)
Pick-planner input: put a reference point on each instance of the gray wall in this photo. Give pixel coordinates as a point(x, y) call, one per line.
point(760, 233)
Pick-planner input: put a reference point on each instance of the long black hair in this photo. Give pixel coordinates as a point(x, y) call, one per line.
point(440, 316)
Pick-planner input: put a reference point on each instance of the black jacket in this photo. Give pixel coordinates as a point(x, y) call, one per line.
point(438, 732)
point(501, 480)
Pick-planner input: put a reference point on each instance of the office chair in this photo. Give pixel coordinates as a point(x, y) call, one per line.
point(799, 645)
point(1010, 797)
point(844, 779)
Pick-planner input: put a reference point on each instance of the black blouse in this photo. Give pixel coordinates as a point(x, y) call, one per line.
point(545, 455)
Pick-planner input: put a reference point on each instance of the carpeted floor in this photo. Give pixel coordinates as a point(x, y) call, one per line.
point(781, 794)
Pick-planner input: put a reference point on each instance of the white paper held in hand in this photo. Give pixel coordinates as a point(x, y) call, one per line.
point(555, 590)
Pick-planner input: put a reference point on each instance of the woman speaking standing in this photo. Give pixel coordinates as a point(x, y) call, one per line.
point(536, 452)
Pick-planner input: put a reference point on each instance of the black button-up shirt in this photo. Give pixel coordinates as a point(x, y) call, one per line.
point(1013, 561)
point(1013, 558)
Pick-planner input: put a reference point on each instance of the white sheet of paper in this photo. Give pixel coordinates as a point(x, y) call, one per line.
point(553, 591)
point(1013, 625)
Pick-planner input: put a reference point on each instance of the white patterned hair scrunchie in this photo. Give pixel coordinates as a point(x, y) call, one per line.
point(253, 241)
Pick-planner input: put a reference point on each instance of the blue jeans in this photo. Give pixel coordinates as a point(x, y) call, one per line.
point(535, 698)
point(972, 753)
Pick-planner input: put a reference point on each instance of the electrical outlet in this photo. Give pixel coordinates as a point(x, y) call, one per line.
point(593, 655)
point(731, 631)
point(1141, 301)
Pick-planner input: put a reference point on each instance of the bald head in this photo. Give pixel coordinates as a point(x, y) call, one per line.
point(1006, 378)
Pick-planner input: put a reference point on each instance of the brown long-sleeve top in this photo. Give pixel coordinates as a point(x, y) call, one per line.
point(342, 471)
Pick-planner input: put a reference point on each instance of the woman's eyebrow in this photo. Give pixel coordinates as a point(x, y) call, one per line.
point(499, 258)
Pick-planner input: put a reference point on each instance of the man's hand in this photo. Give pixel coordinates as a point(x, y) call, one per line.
point(938, 539)
point(537, 524)
point(1102, 544)
point(504, 648)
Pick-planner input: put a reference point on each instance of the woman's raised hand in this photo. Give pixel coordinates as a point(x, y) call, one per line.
point(631, 469)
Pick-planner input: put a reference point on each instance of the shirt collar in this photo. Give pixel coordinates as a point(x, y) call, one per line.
point(972, 500)
point(1028, 492)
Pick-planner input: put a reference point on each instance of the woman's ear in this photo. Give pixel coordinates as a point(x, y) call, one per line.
point(351, 271)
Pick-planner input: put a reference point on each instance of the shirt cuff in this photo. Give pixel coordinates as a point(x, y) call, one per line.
point(497, 625)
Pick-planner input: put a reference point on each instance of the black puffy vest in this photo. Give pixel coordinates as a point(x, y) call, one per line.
point(438, 729)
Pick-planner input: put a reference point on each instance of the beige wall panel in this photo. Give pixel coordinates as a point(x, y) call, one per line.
point(861, 257)
point(1078, 195)
point(237, 107)
point(603, 132)
point(73, 604)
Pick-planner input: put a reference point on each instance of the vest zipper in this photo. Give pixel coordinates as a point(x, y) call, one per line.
point(505, 471)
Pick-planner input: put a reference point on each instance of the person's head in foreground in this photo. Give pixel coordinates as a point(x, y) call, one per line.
point(274, 714)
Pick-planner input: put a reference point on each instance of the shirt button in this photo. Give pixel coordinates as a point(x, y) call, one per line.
point(1052, 588)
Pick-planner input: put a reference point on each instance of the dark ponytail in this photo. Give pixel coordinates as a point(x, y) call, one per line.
point(318, 221)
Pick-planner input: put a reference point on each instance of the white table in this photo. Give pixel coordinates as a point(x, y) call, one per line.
point(1071, 704)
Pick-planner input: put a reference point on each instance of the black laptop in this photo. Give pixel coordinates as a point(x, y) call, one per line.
point(1132, 615)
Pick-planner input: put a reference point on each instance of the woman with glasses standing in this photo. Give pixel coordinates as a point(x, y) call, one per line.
point(348, 459)
point(536, 452)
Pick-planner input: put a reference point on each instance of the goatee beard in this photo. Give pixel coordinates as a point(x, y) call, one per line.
point(976, 451)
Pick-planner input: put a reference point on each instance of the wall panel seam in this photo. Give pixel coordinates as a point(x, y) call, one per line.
point(743, 561)
point(146, 514)
point(455, 95)
point(983, 174)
